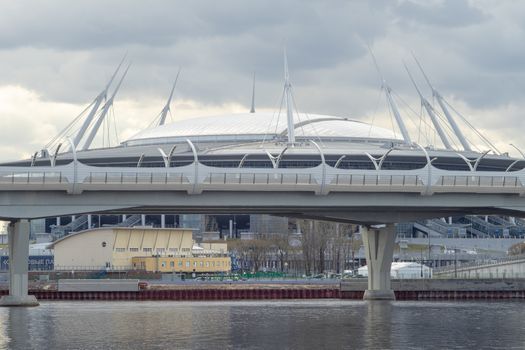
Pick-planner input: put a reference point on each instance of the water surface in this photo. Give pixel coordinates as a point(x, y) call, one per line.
point(324, 324)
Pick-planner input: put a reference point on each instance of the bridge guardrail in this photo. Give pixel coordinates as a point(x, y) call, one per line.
point(199, 177)
point(377, 180)
point(259, 179)
point(124, 178)
point(39, 177)
point(478, 181)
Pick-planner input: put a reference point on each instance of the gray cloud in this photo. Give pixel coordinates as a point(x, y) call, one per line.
point(65, 51)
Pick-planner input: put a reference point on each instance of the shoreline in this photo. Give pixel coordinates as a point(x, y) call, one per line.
point(457, 289)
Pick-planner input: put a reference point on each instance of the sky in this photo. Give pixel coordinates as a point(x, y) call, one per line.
point(56, 57)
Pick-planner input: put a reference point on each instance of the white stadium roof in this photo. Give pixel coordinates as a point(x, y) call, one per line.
point(255, 126)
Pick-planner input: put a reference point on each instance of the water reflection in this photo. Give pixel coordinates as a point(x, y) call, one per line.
point(333, 324)
point(378, 331)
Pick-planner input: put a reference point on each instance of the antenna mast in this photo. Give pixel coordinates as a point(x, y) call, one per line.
point(451, 120)
point(391, 102)
point(103, 113)
point(289, 103)
point(97, 102)
point(431, 113)
point(166, 108)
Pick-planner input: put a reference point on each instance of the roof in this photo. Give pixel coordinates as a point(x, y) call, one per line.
point(111, 228)
point(262, 124)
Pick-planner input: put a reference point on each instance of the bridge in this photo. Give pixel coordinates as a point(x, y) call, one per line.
point(320, 167)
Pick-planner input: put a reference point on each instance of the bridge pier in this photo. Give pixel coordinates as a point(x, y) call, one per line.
point(18, 237)
point(379, 249)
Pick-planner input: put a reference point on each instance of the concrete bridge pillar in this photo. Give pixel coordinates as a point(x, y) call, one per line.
point(18, 236)
point(379, 249)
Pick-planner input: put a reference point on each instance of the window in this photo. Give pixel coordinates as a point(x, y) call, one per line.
point(207, 264)
point(147, 250)
point(163, 264)
point(173, 250)
point(180, 263)
point(213, 263)
point(185, 249)
point(172, 263)
point(133, 249)
point(187, 264)
point(194, 264)
point(161, 250)
point(120, 250)
point(201, 264)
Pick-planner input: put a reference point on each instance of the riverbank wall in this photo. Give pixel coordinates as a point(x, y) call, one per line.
point(432, 289)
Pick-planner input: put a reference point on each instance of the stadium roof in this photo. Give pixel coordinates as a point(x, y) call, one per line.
point(259, 126)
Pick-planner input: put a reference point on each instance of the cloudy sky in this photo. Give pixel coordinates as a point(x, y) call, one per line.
point(56, 56)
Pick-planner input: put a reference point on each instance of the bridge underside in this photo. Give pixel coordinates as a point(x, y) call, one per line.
point(361, 208)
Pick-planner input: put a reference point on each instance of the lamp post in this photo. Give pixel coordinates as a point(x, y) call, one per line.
point(421, 263)
point(455, 263)
point(428, 235)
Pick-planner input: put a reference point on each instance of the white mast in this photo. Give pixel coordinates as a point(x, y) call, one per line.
point(289, 103)
point(166, 108)
point(97, 102)
point(455, 127)
point(395, 111)
point(105, 110)
point(391, 102)
point(431, 114)
point(252, 110)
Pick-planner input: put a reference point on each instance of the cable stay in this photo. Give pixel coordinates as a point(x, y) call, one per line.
point(73, 127)
point(96, 104)
point(392, 104)
point(479, 134)
point(419, 115)
point(431, 113)
point(439, 98)
point(444, 105)
point(67, 130)
point(167, 108)
point(103, 113)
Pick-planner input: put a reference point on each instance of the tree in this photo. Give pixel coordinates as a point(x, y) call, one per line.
point(517, 249)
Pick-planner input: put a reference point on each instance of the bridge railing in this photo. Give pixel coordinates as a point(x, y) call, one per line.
point(196, 177)
point(478, 181)
point(124, 178)
point(376, 180)
point(33, 177)
point(259, 179)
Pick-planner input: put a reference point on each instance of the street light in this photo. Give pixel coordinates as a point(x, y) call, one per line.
point(428, 235)
point(421, 263)
point(455, 263)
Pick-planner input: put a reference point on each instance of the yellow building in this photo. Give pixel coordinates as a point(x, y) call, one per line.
point(116, 247)
point(202, 264)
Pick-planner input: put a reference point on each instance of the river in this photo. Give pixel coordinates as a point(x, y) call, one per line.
point(317, 324)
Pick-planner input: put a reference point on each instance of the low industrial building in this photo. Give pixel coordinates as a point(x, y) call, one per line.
point(145, 248)
point(403, 270)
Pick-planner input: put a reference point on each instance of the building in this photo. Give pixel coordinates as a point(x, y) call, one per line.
point(117, 247)
point(194, 264)
point(403, 270)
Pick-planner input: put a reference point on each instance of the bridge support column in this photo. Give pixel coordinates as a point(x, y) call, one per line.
point(18, 236)
point(379, 249)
